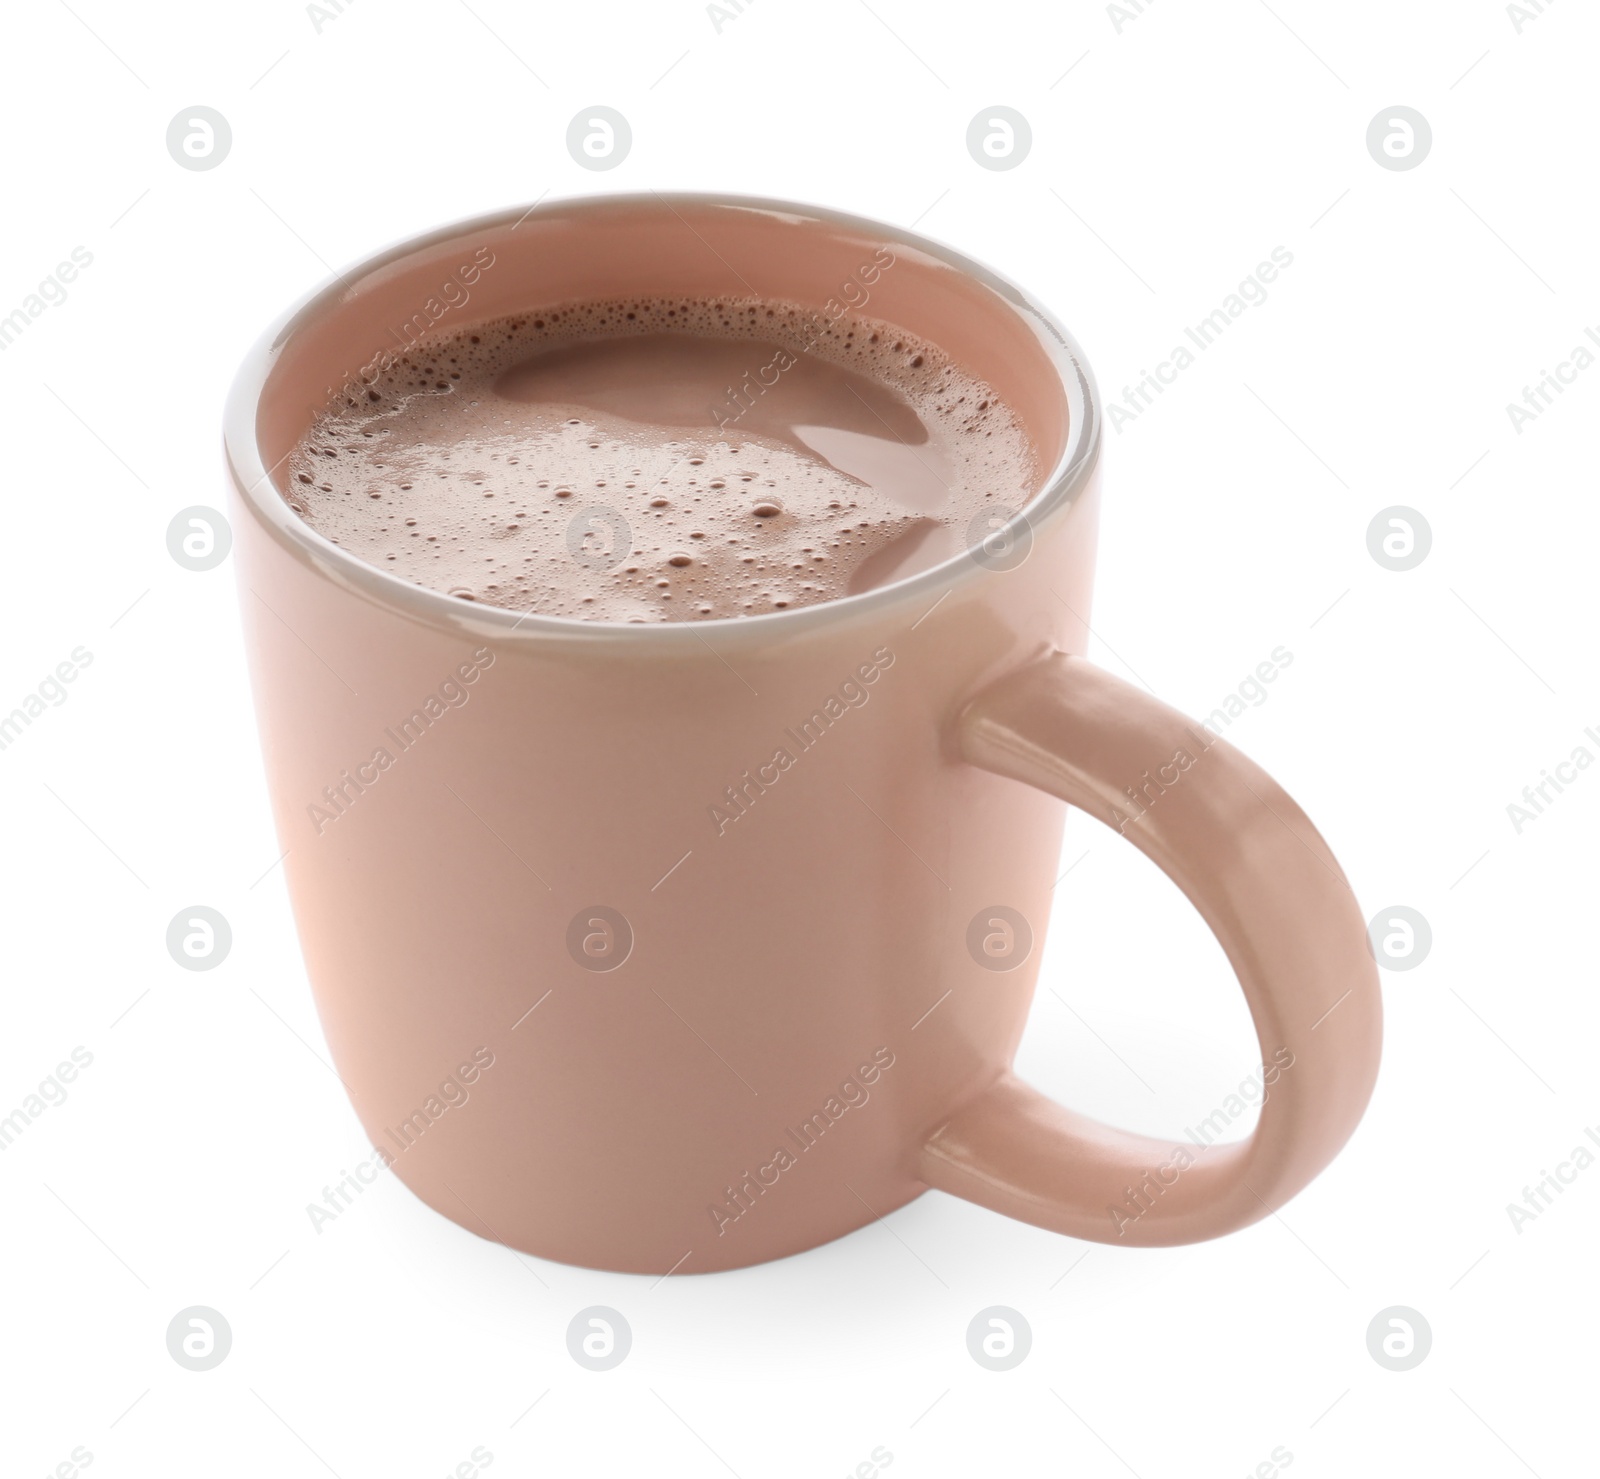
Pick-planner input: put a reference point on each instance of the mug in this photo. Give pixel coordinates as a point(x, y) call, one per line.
point(679, 947)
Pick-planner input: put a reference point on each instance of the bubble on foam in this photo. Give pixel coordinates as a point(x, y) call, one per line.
point(442, 457)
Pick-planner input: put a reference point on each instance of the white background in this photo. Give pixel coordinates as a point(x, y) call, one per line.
point(1168, 159)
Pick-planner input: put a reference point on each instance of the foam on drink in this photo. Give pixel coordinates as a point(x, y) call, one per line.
point(662, 460)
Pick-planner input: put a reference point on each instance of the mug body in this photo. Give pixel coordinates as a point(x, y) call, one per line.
point(665, 947)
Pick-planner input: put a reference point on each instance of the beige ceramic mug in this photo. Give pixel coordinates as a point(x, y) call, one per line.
point(685, 946)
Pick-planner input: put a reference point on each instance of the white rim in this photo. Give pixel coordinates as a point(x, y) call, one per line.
point(256, 490)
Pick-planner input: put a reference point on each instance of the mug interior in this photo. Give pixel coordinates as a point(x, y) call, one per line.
point(656, 246)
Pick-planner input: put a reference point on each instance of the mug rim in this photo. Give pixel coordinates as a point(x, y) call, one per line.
point(253, 485)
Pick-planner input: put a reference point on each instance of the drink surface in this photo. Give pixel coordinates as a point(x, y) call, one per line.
point(663, 460)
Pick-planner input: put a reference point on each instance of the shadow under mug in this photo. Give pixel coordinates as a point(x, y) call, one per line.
point(684, 946)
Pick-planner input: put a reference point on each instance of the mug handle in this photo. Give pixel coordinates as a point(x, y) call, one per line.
point(1264, 880)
